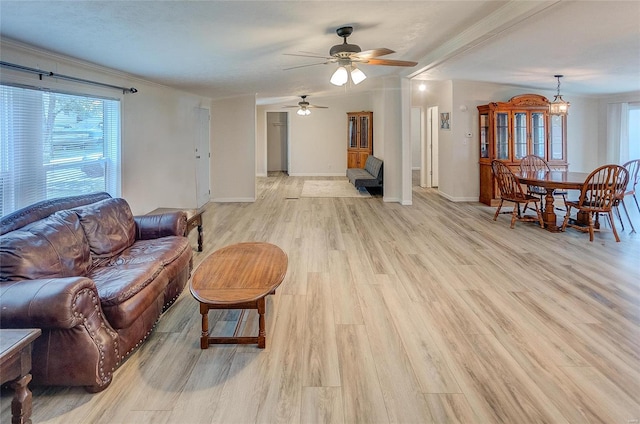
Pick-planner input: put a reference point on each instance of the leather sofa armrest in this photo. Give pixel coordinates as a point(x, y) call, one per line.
point(162, 225)
point(47, 303)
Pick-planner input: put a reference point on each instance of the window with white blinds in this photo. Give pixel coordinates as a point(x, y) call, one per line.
point(56, 144)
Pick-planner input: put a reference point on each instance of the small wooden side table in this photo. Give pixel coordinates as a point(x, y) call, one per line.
point(15, 367)
point(238, 276)
point(194, 220)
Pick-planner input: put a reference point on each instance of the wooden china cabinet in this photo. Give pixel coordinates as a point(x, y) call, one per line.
point(511, 130)
point(359, 138)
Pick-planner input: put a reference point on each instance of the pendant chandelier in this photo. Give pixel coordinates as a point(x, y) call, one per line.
point(558, 106)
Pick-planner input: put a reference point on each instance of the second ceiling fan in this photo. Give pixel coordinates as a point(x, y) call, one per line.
point(304, 106)
point(348, 55)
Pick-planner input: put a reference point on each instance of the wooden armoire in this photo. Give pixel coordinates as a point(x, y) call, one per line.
point(359, 138)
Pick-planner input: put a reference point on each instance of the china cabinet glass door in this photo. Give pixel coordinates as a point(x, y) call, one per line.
point(556, 139)
point(538, 131)
point(353, 132)
point(484, 134)
point(502, 136)
point(364, 132)
point(520, 135)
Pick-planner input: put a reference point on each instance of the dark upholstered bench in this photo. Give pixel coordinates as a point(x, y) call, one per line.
point(369, 176)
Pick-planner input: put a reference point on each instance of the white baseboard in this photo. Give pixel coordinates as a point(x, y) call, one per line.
point(458, 199)
point(234, 199)
point(330, 174)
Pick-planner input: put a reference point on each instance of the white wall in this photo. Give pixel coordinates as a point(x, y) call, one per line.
point(233, 149)
point(158, 131)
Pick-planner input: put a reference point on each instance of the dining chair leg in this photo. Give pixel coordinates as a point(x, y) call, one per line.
point(539, 213)
point(495, 217)
point(514, 216)
point(564, 200)
point(619, 217)
point(566, 219)
point(591, 230)
point(613, 227)
point(636, 199)
point(624, 206)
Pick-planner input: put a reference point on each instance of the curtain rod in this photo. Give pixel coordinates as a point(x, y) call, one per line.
point(42, 73)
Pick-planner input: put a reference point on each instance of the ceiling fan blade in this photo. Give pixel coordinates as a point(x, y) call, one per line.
point(307, 55)
point(318, 107)
point(388, 62)
point(304, 66)
point(372, 53)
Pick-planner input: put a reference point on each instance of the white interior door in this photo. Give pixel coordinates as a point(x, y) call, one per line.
point(202, 151)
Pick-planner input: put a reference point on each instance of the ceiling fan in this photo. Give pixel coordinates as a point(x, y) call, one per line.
point(347, 55)
point(304, 106)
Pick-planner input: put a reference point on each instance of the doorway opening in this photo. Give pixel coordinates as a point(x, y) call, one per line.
point(277, 142)
point(429, 153)
point(203, 157)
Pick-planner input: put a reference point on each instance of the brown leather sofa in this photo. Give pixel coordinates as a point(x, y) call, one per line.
point(93, 277)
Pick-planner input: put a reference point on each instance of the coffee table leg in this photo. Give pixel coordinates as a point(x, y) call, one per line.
point(262, 334)
point(200, 236)
point(204, 337)
point(21, 403)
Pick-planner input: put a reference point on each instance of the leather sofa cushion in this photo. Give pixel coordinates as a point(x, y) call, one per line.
point(55, 246)
point(109, 226)
point(118, 283)
point(126, 291)
point(164, 250)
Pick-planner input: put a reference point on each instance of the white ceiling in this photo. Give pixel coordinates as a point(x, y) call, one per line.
point(229, 48)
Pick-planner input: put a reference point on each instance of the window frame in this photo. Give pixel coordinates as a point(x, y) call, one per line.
point(12, 196)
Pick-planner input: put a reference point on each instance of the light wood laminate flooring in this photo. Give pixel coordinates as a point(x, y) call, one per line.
point(430, 313)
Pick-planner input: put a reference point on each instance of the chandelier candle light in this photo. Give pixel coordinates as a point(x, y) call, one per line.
point(558, 106)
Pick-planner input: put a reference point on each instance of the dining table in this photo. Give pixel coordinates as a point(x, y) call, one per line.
point(551, 181)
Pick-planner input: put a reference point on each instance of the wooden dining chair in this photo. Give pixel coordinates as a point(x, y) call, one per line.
point(599, 193)
point(633, 167)
point(511, 191)
point(630, 190)
point(533, 163)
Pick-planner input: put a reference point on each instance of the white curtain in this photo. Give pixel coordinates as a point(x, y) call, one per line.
point(617, 133)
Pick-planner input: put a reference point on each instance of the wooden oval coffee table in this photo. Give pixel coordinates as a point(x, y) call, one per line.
point(238, 276)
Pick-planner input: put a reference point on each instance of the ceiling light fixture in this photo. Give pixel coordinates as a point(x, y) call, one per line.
point(558, 106)
point(341, 75)
point(303, 111)
point(357, 76)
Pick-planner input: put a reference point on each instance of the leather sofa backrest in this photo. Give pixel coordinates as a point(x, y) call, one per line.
point(51, 247)
point(108, 226)
point(43, 209)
